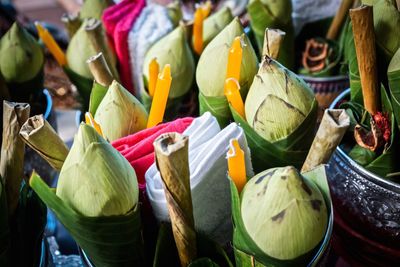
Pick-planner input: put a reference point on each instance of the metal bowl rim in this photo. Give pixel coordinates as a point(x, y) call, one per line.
point(366, 173)
point(324, 79)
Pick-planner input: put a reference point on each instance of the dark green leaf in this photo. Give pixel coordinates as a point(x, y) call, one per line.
point(83, 85)
point(362, 155)
point(218, 106)
point(97, 94)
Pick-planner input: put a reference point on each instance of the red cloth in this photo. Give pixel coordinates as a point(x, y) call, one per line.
point(118, 20)
point(138, 148)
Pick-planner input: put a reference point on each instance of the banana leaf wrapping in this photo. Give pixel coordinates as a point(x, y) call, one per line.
point(248, 254)
point(108, 241)
point(97, 94)
point(385, 163)
point(291, 150)
point(4, 229)
point(218, 106)
point(263, 16)
point(209, 253)
point(83, 85)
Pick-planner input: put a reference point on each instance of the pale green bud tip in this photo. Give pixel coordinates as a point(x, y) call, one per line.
point(284, 213)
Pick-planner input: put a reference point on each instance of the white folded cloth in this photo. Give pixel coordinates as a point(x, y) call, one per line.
point(211, 199)
point(152, 24)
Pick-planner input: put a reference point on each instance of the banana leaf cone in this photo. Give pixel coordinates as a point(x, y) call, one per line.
point(216, 23)
point(274, 15)
point(248, 253)
point(274, 99)
point(384, 164)
point(394, 85)
point(97, 201)
point(94, 8)
point(210, 254)
point(21, 65)
point(211, 71)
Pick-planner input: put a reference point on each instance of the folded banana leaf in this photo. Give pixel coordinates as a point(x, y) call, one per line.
point(248, 254)
point(209, 253)
point(27, 228)
point(108, 241)
point(292, 150)
point(84, 86)
point(218, 106)
point(385, 163)
point(97, 94)
point(4, 229)
point(264, 16)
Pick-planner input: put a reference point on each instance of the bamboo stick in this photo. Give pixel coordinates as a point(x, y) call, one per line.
point(100, 70)
point(172, 160)
point(273, 39)
point(364, 41)
point(339, 19)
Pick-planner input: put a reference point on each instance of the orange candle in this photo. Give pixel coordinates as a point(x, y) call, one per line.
point(90, 121)
point(198, 31)
point(232, 93)
point(154, 69)
point(234, 59)
point(160, 97)
point(236, 164)
point(206, 8)
point(51, 44)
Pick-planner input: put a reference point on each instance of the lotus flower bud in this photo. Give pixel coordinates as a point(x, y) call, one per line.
point(175, 12)
point(173, 49)
point(284, 213)
point(211, 69)
point(94, 8)
point(215, 23)
point(96, 180)
point(278, 101)
point(21, 56)
point(120, 113)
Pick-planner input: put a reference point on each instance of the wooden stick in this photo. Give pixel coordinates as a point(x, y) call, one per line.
point(100, 70)
point(364, 41)
point(273, 39)
point(333, 126)
point(172, 160)
point(72, 23)
point(339, 19)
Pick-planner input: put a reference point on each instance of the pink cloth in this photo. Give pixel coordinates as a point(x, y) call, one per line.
point(118, 20)
point(138, 148)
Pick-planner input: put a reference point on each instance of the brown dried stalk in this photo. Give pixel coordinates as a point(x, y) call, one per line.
point(71, 22)
point(100, 70)
point(339, 18)
point(273, 39)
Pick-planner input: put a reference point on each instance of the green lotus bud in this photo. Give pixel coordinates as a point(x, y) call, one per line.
point(96, 180)
point(120, 113)
point(173, 49)
point(211, 69)
point(215, 23)
point(278, 101)
point(21, 56)
point(284, 213)
point(94, 8)
point(175, 12)
point(387, 30)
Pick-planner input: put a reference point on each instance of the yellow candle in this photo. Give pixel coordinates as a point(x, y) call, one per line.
point(206, 8)
point(90, 121)
point(234, 59)
point(236, 164)
point(232, 93)
point(51, 44)
point(160, 97)
point(153, 75)
point(198, 31)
